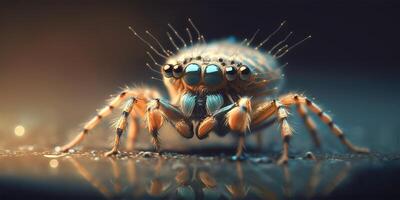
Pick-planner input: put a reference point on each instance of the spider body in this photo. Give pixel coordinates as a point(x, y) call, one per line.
point(222, 87)
point(212, 77)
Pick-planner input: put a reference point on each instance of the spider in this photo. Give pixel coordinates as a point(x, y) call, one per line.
point(225, 87)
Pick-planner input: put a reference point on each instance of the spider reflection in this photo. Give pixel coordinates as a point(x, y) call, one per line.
point(162, 177)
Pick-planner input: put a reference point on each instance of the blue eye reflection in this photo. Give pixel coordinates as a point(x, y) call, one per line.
point(212, 75)
point(192, 74)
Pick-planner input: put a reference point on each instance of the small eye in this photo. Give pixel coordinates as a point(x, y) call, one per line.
point(230, 73)
point(178, 71)
point(244, 72)
point(167, 71)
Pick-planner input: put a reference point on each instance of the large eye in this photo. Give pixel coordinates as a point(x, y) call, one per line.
point(167, 71)
point(244, 73)
point(192, 74)
point(230, 73)
point(178, 71)
point(212, 75)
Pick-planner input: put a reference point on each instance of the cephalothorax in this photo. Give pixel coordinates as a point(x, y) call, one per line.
point(222, 87)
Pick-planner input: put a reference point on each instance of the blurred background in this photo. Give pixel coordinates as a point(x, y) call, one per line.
point(60, 60)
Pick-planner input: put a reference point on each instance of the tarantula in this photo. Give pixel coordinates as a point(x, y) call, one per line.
point(222, 87)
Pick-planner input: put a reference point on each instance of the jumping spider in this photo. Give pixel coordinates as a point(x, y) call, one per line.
point(223, 86)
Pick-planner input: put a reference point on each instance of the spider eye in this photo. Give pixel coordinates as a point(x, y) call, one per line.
point(244, 73)
point(230, 73)
point(178, 71)
point(192, 74)
point(167, 71)
point(212, 75)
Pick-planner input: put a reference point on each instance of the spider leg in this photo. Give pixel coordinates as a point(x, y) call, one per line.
point(267, 109)
point(285, 129)
point(154, 120)
point(138, 113)
point(133, 130)
point(95, 120)
point(238, 120)
point(237, 117)
point(121, 125)
point(310, 124)
point(158, 111)
point(209, 123)
point(264, 111)
point(292, 99)
point(142, 93)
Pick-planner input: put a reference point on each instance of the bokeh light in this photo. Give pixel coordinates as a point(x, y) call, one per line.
point(19, 131)
point(53, 163)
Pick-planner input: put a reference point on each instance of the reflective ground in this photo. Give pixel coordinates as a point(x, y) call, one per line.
point(59, 61)
point(147, 175)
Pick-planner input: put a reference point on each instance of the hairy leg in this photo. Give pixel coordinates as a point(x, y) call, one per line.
point(310, 124)
point(285, 129)
point(143, 93)
point(291, 99)
point(95, 120)
point(158, 111)
point(133, 130)
point(154, 120)
point(137, 114)
point(265, 111)
point(121, 125)
point(238, 120)
point(209, 123)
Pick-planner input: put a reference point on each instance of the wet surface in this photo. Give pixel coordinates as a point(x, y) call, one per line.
point(61, 59)
point(148, 175)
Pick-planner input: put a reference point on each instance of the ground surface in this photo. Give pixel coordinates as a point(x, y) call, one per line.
point(146, 175)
